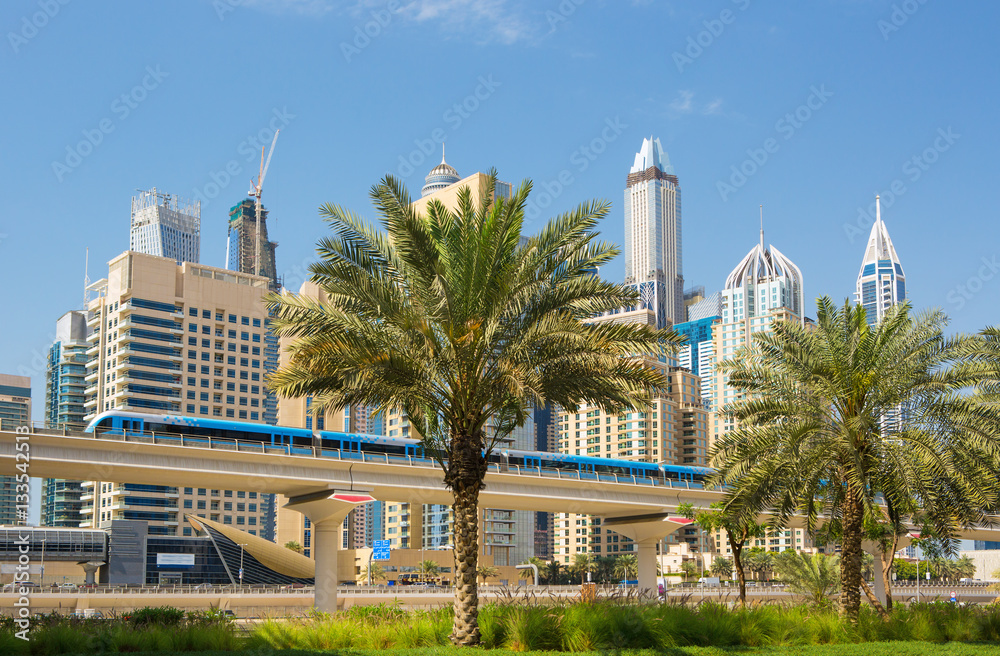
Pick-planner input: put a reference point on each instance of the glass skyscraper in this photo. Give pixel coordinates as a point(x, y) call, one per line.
point(881, 281)
point(166, 226)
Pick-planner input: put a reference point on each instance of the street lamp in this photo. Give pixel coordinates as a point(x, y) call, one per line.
point(42, 569)
point(242, 544)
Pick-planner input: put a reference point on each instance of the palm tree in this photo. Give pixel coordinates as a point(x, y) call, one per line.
point(294, 546)
point(448, 316)
point(722, 567)
point(760, 562)
point(376, 573)
point(428, 569)
point(583, 563)
point(487, 572)
point(626, 567)
point(834, 418)
point(529, 573)
point(553, 572)
point(816, 576)
point(690, 569)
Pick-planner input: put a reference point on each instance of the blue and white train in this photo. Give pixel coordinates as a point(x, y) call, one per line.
point(302, 441)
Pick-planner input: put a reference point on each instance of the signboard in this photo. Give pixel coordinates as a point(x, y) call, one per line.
point(174, 560)
point(380, 550)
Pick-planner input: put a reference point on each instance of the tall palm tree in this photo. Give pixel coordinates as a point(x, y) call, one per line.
point(838, 416)
point(487, 572)
point(626, 566)
point(553, 572)
point(376, 572)
point(448, 316)
point(722, 567)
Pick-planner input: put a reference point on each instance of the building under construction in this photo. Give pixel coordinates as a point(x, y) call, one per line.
point(165, 225)
point(242, 243)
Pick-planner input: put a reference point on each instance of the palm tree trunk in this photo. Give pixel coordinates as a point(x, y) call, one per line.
point(741, 576)
point(887, 558)
point(465, 629)
point(850, 556)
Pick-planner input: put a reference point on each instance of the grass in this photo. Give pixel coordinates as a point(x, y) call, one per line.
point(529, 626)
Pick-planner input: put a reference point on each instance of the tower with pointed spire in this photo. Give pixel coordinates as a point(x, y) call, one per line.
point(441, 176)
point(881, 281)
point(653, 260)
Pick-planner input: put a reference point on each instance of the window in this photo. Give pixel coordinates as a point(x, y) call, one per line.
point(190, 409)
point(232, 318)
point(192, 341)
point(190, 394)
point(207, 330)
point(187, 503)
point(245, 321)
point(193, 312)
point(203, 396)
point(206, 314)
point(193, 327)
point(256, 323)
point(201, 505)
point(204, 370)
point(192, 367)
point(245, 336)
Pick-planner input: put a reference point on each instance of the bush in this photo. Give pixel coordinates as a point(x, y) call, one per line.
point(160, 616)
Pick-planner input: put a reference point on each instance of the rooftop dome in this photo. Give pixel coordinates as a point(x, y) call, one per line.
point(441, 176)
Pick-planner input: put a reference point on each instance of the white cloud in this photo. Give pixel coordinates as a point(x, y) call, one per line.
point(685, 103)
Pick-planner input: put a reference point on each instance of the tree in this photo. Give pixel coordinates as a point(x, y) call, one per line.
point(626, 567)
point(739, 531)
point(760, 562)
point(529, 573)
point(834, 418)
point(582, 564)
point(722, 567)
point(449, 317)
point(487, 572)
point(690, 569)
point(376, 571)
point(815, 576)
point(294, 546)
point(428, 569)
point(553, 573)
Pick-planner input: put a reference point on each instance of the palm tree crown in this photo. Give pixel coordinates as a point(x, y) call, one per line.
point(455, 318)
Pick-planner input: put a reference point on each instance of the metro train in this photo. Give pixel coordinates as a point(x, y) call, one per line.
point(303, 441)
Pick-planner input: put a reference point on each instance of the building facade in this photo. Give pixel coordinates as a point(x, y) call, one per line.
point(15, 411)
point(166, 226)
point(241, 242)
point(175, 339)
point(881, 281)
point(653, 229)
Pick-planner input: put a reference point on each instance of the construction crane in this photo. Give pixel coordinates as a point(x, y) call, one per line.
point(255, 192)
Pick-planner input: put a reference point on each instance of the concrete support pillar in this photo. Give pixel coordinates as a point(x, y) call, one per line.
point(90, 571)
point(326, 511)
point(325, 543)
point(646, 557)
point(646, 531)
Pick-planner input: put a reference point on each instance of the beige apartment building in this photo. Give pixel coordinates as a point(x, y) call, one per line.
point(672, 430)
point(169, 338)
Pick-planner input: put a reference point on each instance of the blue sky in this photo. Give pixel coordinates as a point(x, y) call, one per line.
point(844, 99)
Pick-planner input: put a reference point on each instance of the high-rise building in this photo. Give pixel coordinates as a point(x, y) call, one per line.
point(672, 430)
point(653, 231)
point(241, 247)
point(176, 339)
point(15, 411)
point(441, 176)
point(166, 226)
point(763, 288)
point(241, 242)
point(698, 354)
point(64, 399)
point(881, 281)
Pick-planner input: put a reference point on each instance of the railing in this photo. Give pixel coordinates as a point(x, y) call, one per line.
point(251, 446)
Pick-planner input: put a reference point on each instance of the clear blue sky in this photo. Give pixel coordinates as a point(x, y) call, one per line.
point(176, 92)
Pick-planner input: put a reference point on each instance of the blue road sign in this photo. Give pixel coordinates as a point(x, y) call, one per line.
point(380, 554)
point(380, 544)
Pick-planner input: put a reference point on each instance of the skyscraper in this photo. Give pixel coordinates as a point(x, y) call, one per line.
point(881, 281)
point(653, 232)
point(15, 411)
point(241, 242)
point(176, 339)
point(64, 398)
point(166, 226)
